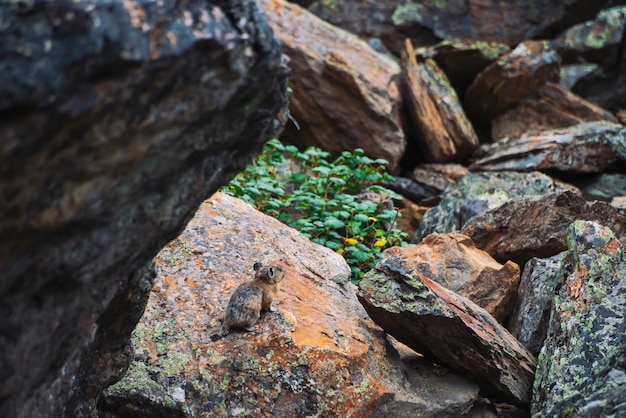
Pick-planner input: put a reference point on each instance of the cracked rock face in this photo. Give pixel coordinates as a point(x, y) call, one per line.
point(118, 120)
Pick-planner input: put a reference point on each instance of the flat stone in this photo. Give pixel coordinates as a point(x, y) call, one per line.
point(478, 193)
point(453, 261)
point(551, 106)
point(345, 95)
point(449, 328)
point(537, 227)
point(584, 148)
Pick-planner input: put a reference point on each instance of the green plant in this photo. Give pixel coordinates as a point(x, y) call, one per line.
point(324, 201)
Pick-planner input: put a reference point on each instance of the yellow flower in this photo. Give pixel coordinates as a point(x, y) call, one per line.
point(340, 251)
point(351, 241)
point(380, 243)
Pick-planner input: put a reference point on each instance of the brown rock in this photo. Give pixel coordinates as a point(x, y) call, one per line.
point(319, 355)
point(434, 109)
point(345, 94)
point(453, 261)
point(524, 228)
point(438, 176)
point(511, 78)
point(584, 148)
point(551, 106)
point(443, 325)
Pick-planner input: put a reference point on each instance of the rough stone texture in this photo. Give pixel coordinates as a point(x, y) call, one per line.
point(584, 148)
point(570, 74)
point(118, 119)
point(345, 94)
point(525, 228)
point(477, 193)
point(606, 87)
point(603, 186)
point(551, 106)
point(508, 22)
point(453, 261)
point(373, 19)
point(450, 328)
point(319, 355)
point(597, 40)
point(511, 78)
point(435, 113)
point(463, 60)
point(438, 176)
point(528, 321)
point(581, 369)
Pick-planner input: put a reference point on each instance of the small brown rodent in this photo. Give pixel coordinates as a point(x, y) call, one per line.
point(249, 299)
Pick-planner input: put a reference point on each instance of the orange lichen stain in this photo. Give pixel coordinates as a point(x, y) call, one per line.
point(575, 282)
point(612, 247)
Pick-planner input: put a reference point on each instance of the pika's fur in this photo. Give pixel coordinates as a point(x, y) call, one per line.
point(249, 299)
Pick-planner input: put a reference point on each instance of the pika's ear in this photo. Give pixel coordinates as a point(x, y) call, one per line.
point(270, 272)
point(257, 266)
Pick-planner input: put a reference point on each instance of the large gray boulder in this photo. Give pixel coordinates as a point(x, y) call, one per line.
point(118, 119)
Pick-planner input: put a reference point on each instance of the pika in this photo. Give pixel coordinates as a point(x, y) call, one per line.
point(249, 299)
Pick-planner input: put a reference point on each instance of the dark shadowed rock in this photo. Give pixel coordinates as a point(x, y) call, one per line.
point(528, 321)
point(435, 113)
point(412, 190)
point(508, 22)
point(603, 186)
point(524, 228)
point(581, 366)
point(570, 74)
point(596, 41)
point(606, 87)
point(438, 176)
point(445, 326)
point(118, 119)
point(453, 261)
point(585, 148)
point(462, 60)
point(511, 78)
point(345, 94)
point(478, 193)
point(373, 19)
point(551, 106)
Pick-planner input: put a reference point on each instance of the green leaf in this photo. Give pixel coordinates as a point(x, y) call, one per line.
point(334, 223)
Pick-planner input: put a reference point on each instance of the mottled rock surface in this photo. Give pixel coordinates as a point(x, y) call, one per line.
point(528, 321)
point(438, 176)
point(511, 78)
point(537, 227)
point(595, 41)
point(345, 94)
point(584, 148)
point(508, 22)
point(551, 106)
point(603, 186)
point(450, 328)
point(477, 193)
point(434, 109)
point(581, 368)
point(318, 355)
point(453, 261)
point(118, 119)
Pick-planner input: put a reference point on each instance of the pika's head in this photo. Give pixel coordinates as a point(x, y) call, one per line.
point(270, 274)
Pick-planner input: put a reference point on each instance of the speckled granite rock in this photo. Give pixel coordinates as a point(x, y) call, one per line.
point(118, 119)
point(581, 368)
